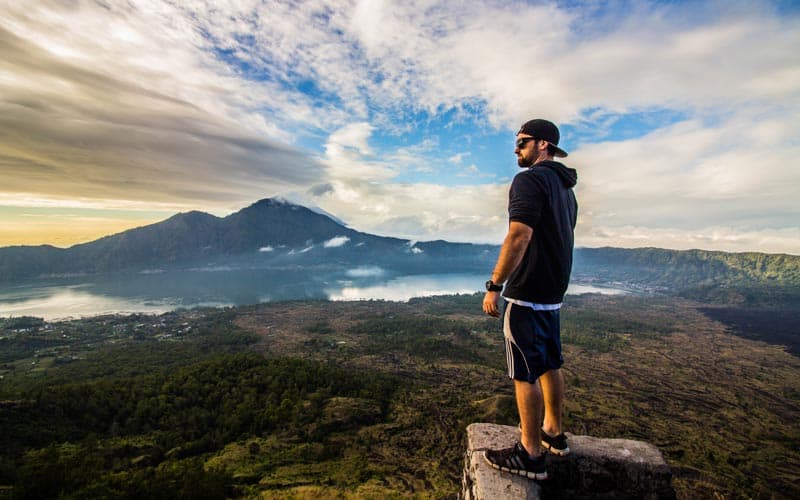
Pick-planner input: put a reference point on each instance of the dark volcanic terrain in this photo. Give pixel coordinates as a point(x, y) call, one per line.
point(774, 326)
point(370, 399)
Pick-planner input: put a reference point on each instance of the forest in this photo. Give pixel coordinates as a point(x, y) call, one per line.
point(370, 399)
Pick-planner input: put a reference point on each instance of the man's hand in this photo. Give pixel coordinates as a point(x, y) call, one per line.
point(490, 304)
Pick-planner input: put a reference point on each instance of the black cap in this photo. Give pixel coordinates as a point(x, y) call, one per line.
point(545, 131)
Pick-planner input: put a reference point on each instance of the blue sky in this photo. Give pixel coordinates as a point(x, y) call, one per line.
point(399, 117)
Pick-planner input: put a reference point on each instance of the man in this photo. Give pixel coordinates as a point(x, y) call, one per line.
point(535, 263)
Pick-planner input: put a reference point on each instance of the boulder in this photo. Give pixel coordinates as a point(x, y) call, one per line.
point(596, 468)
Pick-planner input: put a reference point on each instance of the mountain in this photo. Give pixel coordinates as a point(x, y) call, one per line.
point(660, 267)
point(274, 233)
point(270, 232)
point(746, 278)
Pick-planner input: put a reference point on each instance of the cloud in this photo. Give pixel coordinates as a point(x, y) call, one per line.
point(692, 176)
point(413, 248)
point(146, 116)
point(422, 211)
point(348, 155)
point(365, 188)
point(458, 158)
point(336, 242)
point(783, 240)
point(726, 167)
point(365, 272)
point(473, 172)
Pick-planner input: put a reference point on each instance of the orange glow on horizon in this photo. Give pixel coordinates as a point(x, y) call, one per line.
point(63, 232)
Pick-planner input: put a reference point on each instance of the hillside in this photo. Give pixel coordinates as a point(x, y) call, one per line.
point(689, 268)
point(719, 277)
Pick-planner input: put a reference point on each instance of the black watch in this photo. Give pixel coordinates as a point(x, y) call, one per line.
point(492, 287)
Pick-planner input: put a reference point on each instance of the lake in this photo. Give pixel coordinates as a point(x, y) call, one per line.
point(162, 291)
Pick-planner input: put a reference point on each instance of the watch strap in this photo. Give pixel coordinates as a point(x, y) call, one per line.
point(491, 286)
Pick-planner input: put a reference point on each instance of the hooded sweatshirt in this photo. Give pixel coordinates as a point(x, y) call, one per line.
point(542, 197)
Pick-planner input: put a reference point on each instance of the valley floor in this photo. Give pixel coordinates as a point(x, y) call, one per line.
point(371, 399)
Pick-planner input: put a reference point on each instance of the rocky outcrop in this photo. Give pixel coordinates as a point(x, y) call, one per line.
point(595, 469)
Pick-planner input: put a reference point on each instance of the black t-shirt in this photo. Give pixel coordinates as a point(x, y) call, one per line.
point(542, 197)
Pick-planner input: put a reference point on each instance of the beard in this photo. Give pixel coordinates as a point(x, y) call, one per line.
point(524, 162)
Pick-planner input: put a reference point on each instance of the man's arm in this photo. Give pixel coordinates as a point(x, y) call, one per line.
point(511, 253)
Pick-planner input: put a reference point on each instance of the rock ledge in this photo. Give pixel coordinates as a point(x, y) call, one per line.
point(595, 468)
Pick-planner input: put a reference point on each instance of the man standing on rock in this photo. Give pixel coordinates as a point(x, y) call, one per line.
point(535, 263)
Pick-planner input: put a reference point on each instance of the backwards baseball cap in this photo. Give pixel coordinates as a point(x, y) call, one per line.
point(545, 131)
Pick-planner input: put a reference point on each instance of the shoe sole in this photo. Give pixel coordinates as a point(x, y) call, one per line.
point(536, 476)
point(555, 451)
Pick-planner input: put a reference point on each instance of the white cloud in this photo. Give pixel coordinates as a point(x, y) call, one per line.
point(692, 176)
point(458, 158)
point(422, 211)
point(473, 172)
point(63, 201)
point(719, 237)
point(414, 249)
point(336, 242)
point(308, 248)
point(347, 155)
point(365, 272)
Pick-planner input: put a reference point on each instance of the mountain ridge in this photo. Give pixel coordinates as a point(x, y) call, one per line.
point(250, 236)
point(277, 233)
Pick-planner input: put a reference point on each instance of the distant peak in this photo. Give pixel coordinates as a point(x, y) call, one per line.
point(271, 202)
point(192, 214)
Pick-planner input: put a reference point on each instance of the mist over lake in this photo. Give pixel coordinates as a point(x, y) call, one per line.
point(161, 291)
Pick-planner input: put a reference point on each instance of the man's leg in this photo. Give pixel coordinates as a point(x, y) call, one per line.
point(552, 384)
point(525, 458)
point(529, 405)
point(553, 439)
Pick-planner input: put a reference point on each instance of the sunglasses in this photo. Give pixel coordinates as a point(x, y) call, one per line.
point(523, 141)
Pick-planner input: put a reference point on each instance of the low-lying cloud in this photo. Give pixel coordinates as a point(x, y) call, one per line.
point(336, 242)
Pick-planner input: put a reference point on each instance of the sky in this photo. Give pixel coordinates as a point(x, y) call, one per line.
point(399, 118)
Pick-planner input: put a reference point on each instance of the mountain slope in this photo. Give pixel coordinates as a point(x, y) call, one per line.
point(182, 236)
point(268, 232)
point(688, 268)
point(271, 222)
point(767, 280)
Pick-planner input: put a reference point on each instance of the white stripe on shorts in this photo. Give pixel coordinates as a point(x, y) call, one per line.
point(511, 344)
point(535, 306)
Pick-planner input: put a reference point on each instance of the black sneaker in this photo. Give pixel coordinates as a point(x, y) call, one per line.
point(556, 445)
point(516, 461)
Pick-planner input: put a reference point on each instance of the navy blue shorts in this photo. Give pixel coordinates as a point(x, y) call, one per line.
point(533, 341)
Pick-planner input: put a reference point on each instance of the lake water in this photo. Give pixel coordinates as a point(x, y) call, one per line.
point(160, 292)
